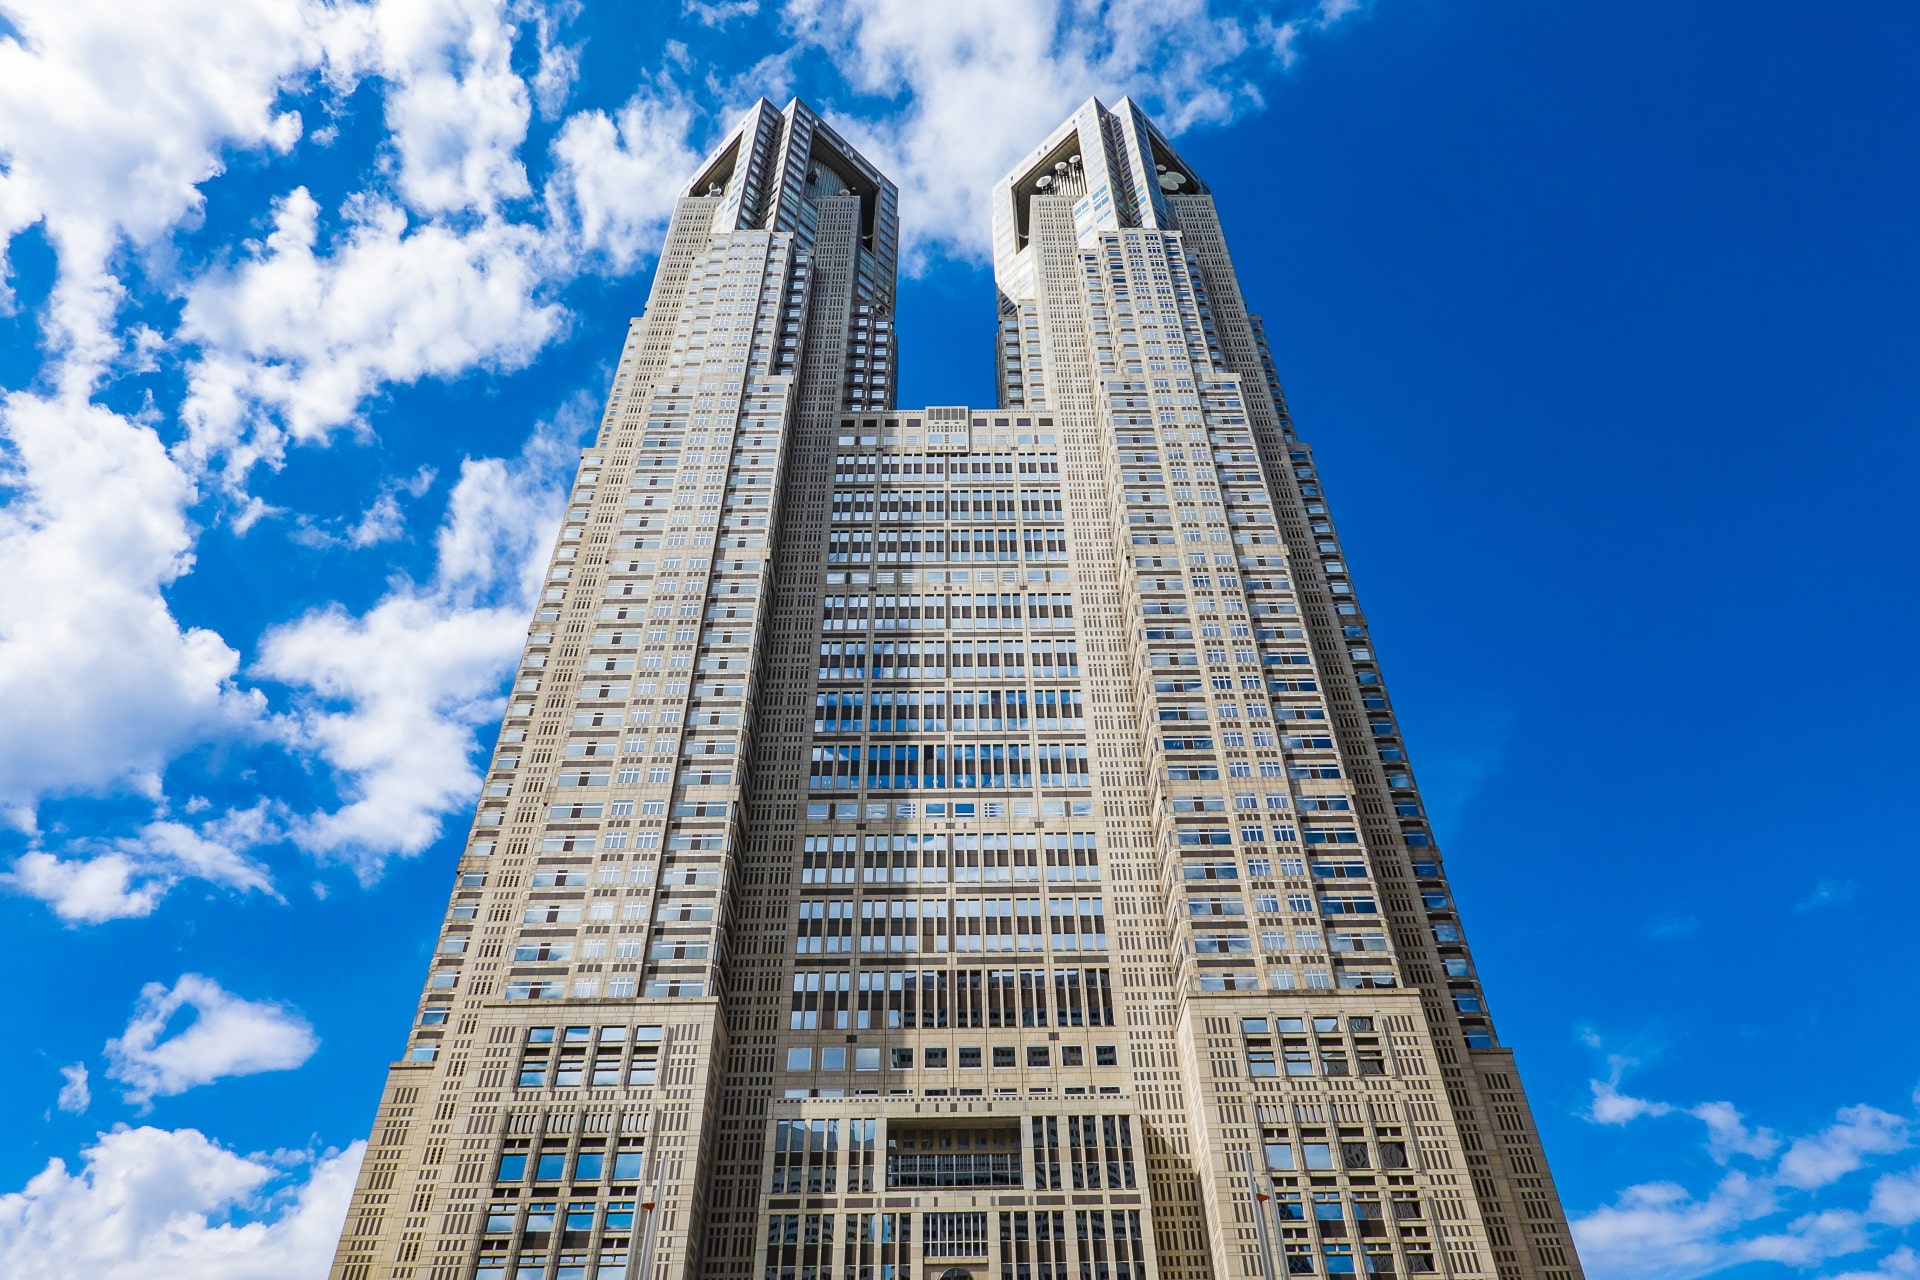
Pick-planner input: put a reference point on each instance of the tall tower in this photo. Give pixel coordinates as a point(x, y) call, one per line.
point(952, 843)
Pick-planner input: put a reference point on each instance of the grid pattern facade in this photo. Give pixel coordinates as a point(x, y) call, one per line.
point(950, 842)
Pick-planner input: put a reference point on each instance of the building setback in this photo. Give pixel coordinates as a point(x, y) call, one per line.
point(947, 843)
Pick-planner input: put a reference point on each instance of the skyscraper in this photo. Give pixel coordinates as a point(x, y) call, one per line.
point(950, 842)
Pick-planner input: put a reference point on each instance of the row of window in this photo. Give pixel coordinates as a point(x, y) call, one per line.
point(938, 1058)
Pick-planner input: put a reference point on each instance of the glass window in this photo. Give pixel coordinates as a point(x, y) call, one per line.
point(513, 1168)
point(589, 1165)
point(1319, 1155)
point(552, 1167)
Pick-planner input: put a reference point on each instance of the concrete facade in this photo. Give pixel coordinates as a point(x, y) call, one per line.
point(948, 843)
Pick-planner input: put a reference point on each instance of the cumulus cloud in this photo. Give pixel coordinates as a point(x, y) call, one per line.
point(170, 1204)
point(616, 176)
point(97, 154)
point(90, 881)
point(102, 684)
point(296, 338)
point(456, 112)
point(227, 1036)
point(1896, 1199)
point(1663, 1231)
point(390, 699)
point(75, 1095)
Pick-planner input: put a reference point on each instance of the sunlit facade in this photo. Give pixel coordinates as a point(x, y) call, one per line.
point(950, 843)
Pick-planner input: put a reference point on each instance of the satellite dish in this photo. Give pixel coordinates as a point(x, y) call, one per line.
point(1044, 181)
point(1171, 181)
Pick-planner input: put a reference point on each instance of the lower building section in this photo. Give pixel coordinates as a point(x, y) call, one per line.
point(569, 1143)
point(887, 1189)
point(1323, 1139)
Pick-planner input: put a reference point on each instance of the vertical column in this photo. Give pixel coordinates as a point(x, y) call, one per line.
point(1147, 988)
point(765, 896)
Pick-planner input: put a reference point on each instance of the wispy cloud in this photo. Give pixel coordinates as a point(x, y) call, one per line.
point(1827, 893)
point(1671, 928)
point(75, 1095)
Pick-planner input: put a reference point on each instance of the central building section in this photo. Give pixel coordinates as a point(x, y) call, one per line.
point(953, 1079)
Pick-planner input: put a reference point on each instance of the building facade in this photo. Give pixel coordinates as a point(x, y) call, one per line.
point(950, 843)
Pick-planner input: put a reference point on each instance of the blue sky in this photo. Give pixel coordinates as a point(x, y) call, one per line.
point(1602, 318)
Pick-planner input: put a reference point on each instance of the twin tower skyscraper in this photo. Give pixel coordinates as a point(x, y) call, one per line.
point(950, 843)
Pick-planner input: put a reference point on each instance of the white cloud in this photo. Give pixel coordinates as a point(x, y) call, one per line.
point(969, 87)
point(1728, 1135)
point(1842, 1147)
point(75, 1096)
point(99, 880)
point(1610, 1106)
point(1901, 1264)
point(100, 154)
point(616, 177)
point(101, 683)
point(159, 1204)
point(392, 697)
point(720, 12)
point(456, 113)
point(300, 337)
point(228, 1036)
point(1662, 1231)
point(559, 64)
point(1659, 1230)
point(1896, 1199)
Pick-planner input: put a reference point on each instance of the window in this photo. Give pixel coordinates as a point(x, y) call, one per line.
point(513, 1167)
point(969, 1056)
point(1319, 1155)
point(799, 1059)
point(1106, 1055)
point(1037, 1055)
point(1003, 1055)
